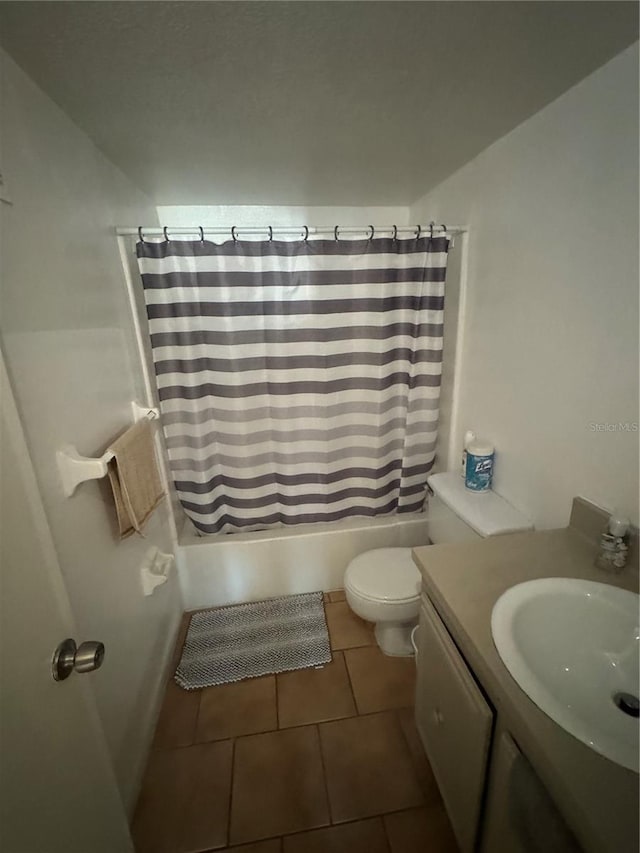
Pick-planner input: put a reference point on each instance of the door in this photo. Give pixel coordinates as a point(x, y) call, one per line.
point(57, 789)
point(454, 723)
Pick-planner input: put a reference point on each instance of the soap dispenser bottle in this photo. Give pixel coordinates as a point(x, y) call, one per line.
point(614, 547)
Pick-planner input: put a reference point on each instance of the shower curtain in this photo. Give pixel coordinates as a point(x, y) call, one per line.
point(298, 380)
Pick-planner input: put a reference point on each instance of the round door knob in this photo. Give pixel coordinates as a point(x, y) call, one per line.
point(67, 657)
point(89, 656)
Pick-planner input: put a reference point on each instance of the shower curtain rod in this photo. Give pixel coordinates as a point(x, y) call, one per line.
point(303, 230)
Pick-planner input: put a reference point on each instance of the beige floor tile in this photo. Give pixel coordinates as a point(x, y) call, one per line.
point(422, 829)
point(337, 595)
point(364, 836)
point(278, 785)
point(368, 767)
point(177, 721)
point(315, 695)
point(380, 682)
point(241, 708)
point(184, 801)
point(427, 780)
point(273, 845)
point(346, 630)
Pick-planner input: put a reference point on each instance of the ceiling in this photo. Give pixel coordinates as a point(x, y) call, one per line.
point(360, 103)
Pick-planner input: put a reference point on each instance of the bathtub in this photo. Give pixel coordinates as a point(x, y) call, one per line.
point(232, 568)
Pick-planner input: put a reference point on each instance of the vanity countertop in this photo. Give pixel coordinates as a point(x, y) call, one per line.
point(598, 798)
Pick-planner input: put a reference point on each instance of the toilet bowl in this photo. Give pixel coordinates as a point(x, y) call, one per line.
point(383, 586)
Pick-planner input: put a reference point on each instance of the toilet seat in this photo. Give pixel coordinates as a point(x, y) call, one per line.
point(384, 575)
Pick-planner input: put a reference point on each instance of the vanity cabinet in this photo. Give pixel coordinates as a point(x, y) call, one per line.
point(455, 724)
point(494, 799)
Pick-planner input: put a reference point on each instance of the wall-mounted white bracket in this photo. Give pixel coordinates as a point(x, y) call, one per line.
point(75, 469)
point(140, 412)
point(155, 569)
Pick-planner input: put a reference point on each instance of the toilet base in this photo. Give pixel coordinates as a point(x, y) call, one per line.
point(394, 638)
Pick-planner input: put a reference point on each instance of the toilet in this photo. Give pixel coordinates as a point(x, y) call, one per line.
point(383, 585)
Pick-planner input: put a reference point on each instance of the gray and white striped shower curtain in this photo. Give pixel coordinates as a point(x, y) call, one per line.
point(298, 381)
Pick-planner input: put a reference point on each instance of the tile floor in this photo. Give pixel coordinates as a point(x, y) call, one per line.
point(313, 761)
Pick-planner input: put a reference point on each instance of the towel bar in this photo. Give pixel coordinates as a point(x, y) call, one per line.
point(75, 469)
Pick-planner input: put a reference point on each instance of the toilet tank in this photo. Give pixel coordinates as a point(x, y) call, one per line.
point(459, 515)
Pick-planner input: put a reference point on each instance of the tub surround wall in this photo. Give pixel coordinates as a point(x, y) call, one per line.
point(217, 570)
point(142, 359)
point(447, 452)
point(70, 351)
point(550, 358)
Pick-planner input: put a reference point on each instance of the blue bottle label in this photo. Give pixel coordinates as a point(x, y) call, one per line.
point(479, 472)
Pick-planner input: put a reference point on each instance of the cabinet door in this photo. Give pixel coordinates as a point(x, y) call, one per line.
point(497, 833)
point(455, 725)
point(521, 816)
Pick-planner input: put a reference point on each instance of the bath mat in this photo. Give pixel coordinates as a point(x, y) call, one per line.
point(248, 640)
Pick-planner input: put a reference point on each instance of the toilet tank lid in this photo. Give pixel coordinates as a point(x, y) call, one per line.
point(485, 512)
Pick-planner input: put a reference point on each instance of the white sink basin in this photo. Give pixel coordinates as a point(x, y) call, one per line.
point(572, 646)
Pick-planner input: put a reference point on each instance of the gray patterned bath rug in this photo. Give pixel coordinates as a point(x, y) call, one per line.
point(248, 640)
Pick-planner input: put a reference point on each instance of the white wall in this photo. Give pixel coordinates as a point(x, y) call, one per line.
point(228, 215)
point(66, 333)
point(551, 328)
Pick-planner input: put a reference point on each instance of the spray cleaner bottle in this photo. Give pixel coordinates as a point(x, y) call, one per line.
point(469, 437)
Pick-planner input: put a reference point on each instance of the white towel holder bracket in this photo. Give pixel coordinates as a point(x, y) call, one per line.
point(75, 469)
point(140, 412)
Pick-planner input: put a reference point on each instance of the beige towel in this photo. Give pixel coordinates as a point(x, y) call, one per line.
point(135, 480)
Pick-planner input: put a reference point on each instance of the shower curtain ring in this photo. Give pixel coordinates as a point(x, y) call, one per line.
point(444, 228)
point(395, 233)
point(306, 233)
point(418, 232)
point(140, 234)
point(270, 234)
point(335, 233)
point(431, 224)
point(233, 233)
point(201, 234)
point(166, 236)
point(373, 231)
